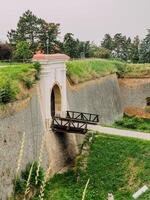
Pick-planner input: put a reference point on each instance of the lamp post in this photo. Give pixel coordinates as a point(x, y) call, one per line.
point(47, 46)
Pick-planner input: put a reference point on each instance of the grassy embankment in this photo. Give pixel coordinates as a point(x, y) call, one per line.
point(83, 70)
point(115, 164)
point(16, 80)
point(133, 123)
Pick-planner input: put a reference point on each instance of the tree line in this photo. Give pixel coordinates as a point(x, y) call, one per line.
point(33, 34)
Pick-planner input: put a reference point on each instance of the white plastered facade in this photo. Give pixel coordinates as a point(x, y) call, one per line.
point(53, 72)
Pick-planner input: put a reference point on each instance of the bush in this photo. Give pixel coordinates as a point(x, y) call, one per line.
point(37, 67)
point(20, 183)
point(22, 51)
point(25, 174)
point(8, 91)
point(28, 83)
point(102, 53)
point(133, 123)
point(5, 51)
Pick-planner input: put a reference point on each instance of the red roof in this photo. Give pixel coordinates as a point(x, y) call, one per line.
point(40, 56)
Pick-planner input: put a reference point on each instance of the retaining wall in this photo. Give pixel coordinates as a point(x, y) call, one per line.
point(57, 152)
point(134, 91)
point(101, 96)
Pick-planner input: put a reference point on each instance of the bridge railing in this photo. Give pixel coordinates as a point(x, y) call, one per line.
point(87, 117)
point(68, 125)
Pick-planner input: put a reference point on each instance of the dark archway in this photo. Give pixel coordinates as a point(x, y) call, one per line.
point(55, 101)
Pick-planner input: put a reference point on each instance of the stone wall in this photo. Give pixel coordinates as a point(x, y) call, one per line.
point(12, 128)
point(101, 96)
point(58, 149)
point(134, 91)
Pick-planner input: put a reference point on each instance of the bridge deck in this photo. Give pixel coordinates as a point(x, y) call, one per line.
point(68, 125)
point(75, 122)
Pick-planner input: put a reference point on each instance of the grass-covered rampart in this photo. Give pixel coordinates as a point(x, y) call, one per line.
point(88, 69)
point(15, 80)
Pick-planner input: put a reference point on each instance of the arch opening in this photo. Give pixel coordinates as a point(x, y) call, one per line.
point(55, 100)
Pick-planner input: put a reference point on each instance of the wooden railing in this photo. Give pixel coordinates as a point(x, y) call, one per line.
point(68, 125)
point(86, 117)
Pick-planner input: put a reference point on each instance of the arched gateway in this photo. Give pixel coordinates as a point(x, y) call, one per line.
point(52, 84)
point(55, 100)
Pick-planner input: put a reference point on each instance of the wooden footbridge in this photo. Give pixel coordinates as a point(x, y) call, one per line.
point(75, 122)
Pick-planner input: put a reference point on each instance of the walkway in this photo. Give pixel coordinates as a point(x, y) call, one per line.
point(114, 131)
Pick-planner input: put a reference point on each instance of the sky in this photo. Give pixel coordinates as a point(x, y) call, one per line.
point(87, 19)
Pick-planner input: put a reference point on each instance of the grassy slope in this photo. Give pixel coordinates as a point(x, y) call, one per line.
point(16, 70)
point(137, 70)
point(16, 74)
point(115, 164)
point(83, 70)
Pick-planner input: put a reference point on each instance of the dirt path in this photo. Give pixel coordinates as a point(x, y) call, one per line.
point(114, 131)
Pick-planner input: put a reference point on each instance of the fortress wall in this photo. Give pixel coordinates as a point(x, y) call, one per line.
point(101, 96)
point(58, 149)
point(28, 121)
point(134, 91)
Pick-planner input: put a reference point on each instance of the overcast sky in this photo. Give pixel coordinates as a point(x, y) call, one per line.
point(87, 19)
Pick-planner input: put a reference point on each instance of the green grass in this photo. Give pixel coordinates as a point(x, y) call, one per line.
point(84, 70)
point(12, 78)
point(137, 70)
point(133, 123)
point(15, 71)
point(115, 164)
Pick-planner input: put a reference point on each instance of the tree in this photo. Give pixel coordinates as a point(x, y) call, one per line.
point(107, 42)
point(102, 53)
point(22, 51)
point(75, 48)
point(70, 46)
point(5, 51)
point(144, 50)
point(93, 49)
point(34, 30)
point(121, 46)
point(83, 49)
point(27, 29)
point(134, 54)
point(48, 36)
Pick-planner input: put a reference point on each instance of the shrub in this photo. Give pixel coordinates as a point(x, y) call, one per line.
point(133, 123)
point(102, 53)
point(21, 182)
point(22, 51)
point(8, 91)
point(20, 185)
point(28, 83)
point(37, 67)
point(121, 69)
point(5, 51)
point(25, 174)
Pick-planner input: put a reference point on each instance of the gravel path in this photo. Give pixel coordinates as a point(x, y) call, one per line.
point(114, 131)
